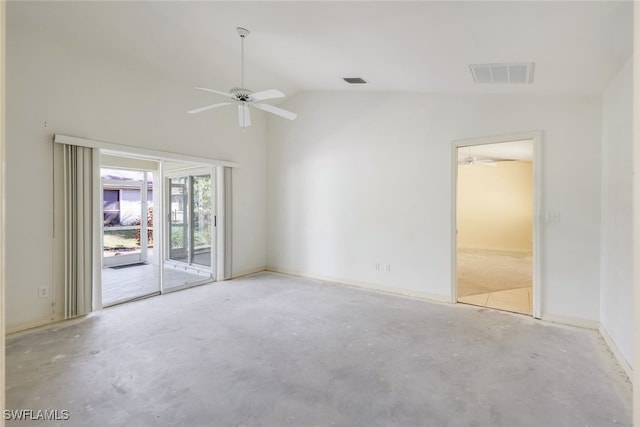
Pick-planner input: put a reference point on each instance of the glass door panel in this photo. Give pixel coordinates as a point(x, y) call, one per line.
point(190, 225)
point(178, 221)
point(121, 229)
point(201, 214)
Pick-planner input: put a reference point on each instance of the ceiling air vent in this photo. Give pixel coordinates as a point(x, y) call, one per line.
point(502, 73)
point(354, 80)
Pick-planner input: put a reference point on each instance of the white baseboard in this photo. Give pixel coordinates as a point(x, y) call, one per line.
point(410, 293)
point(248, 272)
point(32, 325)
point(622, 361)
point(571, 321)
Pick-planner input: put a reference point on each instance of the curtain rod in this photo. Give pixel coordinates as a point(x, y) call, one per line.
point(139, 151)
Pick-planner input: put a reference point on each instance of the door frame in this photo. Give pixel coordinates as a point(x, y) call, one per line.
point(536, 137)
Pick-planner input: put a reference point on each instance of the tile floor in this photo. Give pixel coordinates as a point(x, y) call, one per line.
point(495, 279)
point(514, 300)
point(123, 284)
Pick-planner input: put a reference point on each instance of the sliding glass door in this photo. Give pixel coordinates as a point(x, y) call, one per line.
point(190, 227)
point(158, 226)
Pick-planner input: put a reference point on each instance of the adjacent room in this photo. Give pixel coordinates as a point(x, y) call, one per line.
point(495, 228)
point(319, 213)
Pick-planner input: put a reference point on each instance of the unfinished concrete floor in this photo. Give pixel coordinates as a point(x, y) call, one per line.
point(275, 350)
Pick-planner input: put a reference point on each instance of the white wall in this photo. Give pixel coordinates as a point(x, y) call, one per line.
point(495, 206)
point(361, 178)
point(636, 211)
point(616, 292)
point(79, 92)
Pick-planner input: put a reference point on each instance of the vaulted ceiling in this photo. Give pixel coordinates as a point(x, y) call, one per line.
point(396, 46)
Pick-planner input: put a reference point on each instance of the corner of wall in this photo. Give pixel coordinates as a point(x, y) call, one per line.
point(616, 217)
point(622, 361)
point(636, 210)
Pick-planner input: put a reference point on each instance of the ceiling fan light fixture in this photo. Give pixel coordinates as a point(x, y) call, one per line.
point(243, 31)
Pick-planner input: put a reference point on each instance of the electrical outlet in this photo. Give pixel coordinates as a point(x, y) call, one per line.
point(377, 266)
point(43, 292)
point(552, 216)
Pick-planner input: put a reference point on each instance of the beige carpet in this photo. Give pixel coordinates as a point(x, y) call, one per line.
point(483, 271)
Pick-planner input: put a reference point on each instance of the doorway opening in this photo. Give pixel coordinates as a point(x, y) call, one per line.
point(495, 225)
point(158, 226)
point(129, 254)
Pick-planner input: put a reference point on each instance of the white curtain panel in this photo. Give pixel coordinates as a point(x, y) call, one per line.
point(78, 221)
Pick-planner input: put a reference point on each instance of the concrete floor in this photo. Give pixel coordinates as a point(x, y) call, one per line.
point(275, 350)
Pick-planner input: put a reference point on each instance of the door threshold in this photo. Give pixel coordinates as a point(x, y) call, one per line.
point(123, 301)
point(516, 300)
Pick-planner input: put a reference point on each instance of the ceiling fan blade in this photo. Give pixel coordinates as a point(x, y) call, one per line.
point(277, 111)
point(244, 117)
point(267, 94)
point(213, 91)
point(208, 107)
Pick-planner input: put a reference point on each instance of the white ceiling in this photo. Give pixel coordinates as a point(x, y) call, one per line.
point(397, 46)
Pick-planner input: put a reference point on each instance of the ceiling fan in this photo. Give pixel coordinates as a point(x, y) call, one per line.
point(244, 97)
point(470, 160)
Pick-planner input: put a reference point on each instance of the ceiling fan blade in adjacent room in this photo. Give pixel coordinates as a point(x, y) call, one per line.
point(208, 107)
point(213, 91)
point(267, 94)
point(244, 117)
point(486, 162)
point(277, 111)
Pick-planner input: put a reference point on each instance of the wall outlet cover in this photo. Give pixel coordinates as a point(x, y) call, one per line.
point(43, 292)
